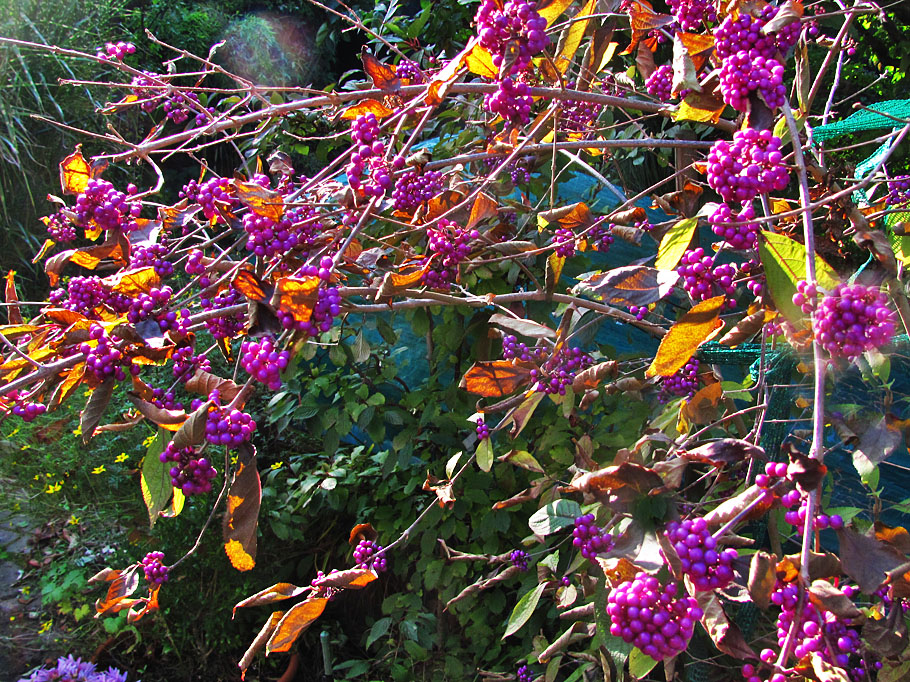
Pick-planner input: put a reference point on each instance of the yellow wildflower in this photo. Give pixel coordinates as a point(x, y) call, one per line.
point(99, 469)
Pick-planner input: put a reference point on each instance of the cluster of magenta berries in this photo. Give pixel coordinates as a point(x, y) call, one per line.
point(708, 566)
point(116, 51)
point(326, 309)
point(82, 295)
point(191, 474)
point(524, 673)
point(29, 410)
point(600, 237)
point(660, 83)
point(559, 371)
point(519, 559)
point(415, 187)
point(367, 554)
point(166, 399)
point(690, 14)
point(448, 244)
point(579, 115)
point(102, 359)
point(209, 195)
point(742, 74)
point(59, 228)
point(742, 32)
point(849, 320)
point(682, 383)
point(147, 90)
point(702, 279)
point(589, 538)
point(517, 29)
point(145, 304)
point(750, 165)
point(152, 256)
point(267, 238)
point(229, 427)
point(639, 311)
point(154, 568)
point(264, 362)
point(409, 70)
point(179, 106)
point(658, 619)
point(107, 207)
point(186, 363)
point(564, 242)
point(898, 191)
point(513, 349)
point(741, 236)
point(195, 266)
point(368, 150)
point(483, 430)
point(224, 326)
point(512, 100)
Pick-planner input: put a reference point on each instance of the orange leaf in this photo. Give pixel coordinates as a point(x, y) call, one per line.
point(484, 207)
point(133, 282)
point(267, 629)
point(480, 61)
point(445, 496)
point(572, 38)
point(551, 9)
point(250, 286)
point(362, 531)
point(351, 579)
point(644, 20)
point(296, 296)
point(396, 282)
point(368, 106)
point(294, 622)
point(698, 46)
point(686, 335)
point(382, 75)
point(439, 86)
point(270, 595)
point(442, 203)
point(12, 311)
point(75, 172)
point(496, 378)
point(260, 200)
point(242, 515)
point(701, 107)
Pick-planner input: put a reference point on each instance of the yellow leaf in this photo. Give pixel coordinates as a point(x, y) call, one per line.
point(686, 335)
point(574, 35)
point(551, 10)
point(238, 556)
point(480, 61)
point(368, 106)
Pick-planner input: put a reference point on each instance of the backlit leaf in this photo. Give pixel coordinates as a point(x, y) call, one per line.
point(686, 335)
point(480, 61)
point(351, 579)
point(445, 495)
point(640, 664)
point(629, 285)
point(155, 479)
point(293, 624)
point(241, 518)
point(277, 592)
point(521, 415)
point(12, 299)
point(555, 263)
point(573, 35)
point(745, 329)
point(267, 629)
point(674, 244)
point(524, 609)
point(259, 200)
point(825, 671)
point(94, 409)
point(701, 107)
point(75, 172)
point(496, 378)
point(296, 295)
point(396, 282)
point(762, 578)
point(784, 261)
point(367, 106)
point(729, 509)
point(382, 75)
point(483, 207)
point(134, 282)
point(551, 9)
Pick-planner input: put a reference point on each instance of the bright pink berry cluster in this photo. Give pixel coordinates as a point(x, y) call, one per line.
point(102, 205)
point(406, 69)
point(367, 155)
point(448, 244)
point(154, 569)
point(224, 326)
point(512, 348)
point(263, 362)
point(154, 256)
point(179, 106)
point(145, 305)
point(116, 51)
point(564, 242)
point(209, 195)
point(367, 555)
point(702, 279)
point(742, 74)
point(691, 13)
point(743, 32)
point(684, 382)
point(102, 358)
point(326, 309)
point(708, 566)
point(579, 116)
point(744, 236)
point(849, 320)
point(898, 191)
point(268, 238)
point(83, 295)
point(191, 474)
point(512, 100)
point(660, 83)
point(600, 236)
point(29, 410)
point(516, 30)
point(415, 187)
point(658, 619)
point(589, 538)
point(482, 429)
point(60, 229)
point(559, 371)
point(750, 165)
point(228, 427)
point(186, 363)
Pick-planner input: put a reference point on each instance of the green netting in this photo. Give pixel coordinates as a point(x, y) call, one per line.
point(878, 115)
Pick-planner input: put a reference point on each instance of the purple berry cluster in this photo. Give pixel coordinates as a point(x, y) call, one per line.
point(656, 618)
point(483, 430)
point(660, 83)
point(691, 13)
point(448, 244)
point(367, 555)
point(224, 326)
point(166, 400)
point(744, 236)
point(59, 228)
point(702, 279)
point(600, 237)
point(102, 358)
point(682, 383)
point(186, 363)
point(29, 410)
point(520, 170)
point(524, 673)
point(154, 256)
point(228, 427)
point(102, 205)
point(898, 191)
point(579, 116)
point(639, 311)
point(559, 371)
point(83, 295)
point(742, 74)
point(513, 349)
point(516, 30)
point(743, 32)
point(849, 320)
point(191, 474)
point(268, 238)
point(154, 568)
point(263, 362)
point(368, 151)
point(144, 305)
point(116, 51)
point(589, 538)
point(415, 187)
point(519, 559)
point(326, 309)
point(564, 242)
point(512, 100)
point(708, 567)
point(179, 106)
point(751, 165)
point(406, 69)
point(209, 195)
point(147, 90)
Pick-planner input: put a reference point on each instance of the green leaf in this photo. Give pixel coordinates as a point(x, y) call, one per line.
point(361, 349)
point(155, 481)
point(784, 261)
point(524, 609)
point(674, 244)
point(554, 517)
point(485, 454)
point(379, 630)
point(523, 459)
point(640, 664)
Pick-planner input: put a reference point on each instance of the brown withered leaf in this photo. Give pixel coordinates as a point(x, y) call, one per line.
point(122, 585)
point(762, 578)
point(362, 531)
point(397, 282)
point(204, 383)
point(259, 641)
point(484, 584)
point(887, 637)
point(14, 316)
point(192, 431)
point(94, 409)
point(744, 330)
point(830, 598)
point(629, 285)
point(726, 636)
point(526, 495)
point(821, 565)
point(445, 496)
point(825, 671)
point(896, 536)
point(241, 518)
point(867, 560)
point(804, 470)
point(729, 509)
point(683, 202)
point(484, 207)
point(248, 284)
point(723, 452)
point(622, 482)
point(382, 75)
point(294, 623)
point(496, 378)
point(270, 595)
point(261, 201)
point(350, 579)
point(522, 326)
point(701, 408)
point(691, 330)
point(594, 376)
point(170, 420)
